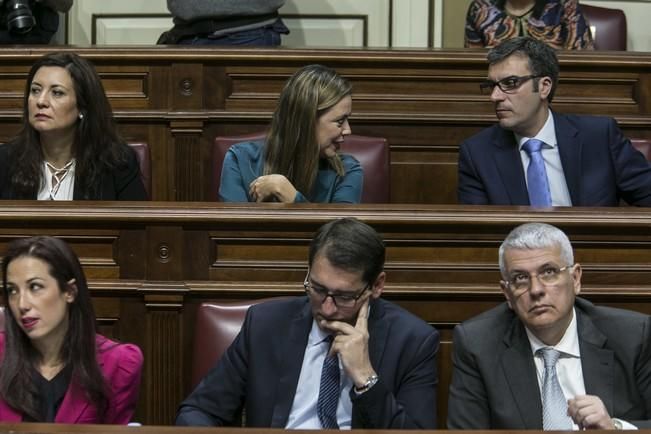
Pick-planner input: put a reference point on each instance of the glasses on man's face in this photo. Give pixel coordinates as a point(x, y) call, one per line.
point(340, 300)
point(506, 85)
point(549, 276)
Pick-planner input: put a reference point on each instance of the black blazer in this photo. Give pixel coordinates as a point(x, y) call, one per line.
point(261, 368)
point(600, 165)
point(124, 183)
point(494, 383)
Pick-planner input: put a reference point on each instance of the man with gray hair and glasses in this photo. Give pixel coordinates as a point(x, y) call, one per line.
point(535, 156)
point(547, 359)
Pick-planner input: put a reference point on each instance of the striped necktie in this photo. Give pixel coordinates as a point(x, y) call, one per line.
point(326, 405)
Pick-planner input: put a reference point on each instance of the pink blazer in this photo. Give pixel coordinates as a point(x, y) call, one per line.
point(121, 365)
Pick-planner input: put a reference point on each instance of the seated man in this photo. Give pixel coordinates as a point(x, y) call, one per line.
point(341, 357)
point(542, 158)
point(546, 359)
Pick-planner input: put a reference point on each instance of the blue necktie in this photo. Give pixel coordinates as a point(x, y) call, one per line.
point(326, 405)
point(537, 183)
point(554, 404)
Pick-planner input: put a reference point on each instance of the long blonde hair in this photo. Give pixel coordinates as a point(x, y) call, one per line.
point(291, 147)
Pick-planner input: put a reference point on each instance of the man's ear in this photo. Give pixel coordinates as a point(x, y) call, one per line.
point(378, 285)
point(71, 291)
point(545, 85)
point(504, 285)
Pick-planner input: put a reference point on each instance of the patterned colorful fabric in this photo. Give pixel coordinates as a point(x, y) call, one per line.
point(561, 25)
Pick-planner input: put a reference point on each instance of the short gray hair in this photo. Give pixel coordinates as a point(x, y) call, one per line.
point(531, 236)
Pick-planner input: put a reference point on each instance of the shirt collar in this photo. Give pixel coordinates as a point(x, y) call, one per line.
point(547, 133)
point(568, 345)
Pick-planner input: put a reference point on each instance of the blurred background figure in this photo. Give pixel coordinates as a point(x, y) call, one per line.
point(559, 23)
point(225, 22)
point(30, 21)
point(299, 161)
point(55, 367)
point(69, 147)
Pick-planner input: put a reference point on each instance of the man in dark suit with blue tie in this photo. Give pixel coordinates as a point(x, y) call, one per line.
point(538, 157)
point(339, 357)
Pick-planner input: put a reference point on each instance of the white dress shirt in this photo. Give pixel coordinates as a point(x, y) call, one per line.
point(303, 413)
point(568, 368)
point(65, 190)
point(555, 175)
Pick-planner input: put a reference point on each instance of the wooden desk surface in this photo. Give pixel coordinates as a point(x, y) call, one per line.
point(44, 428)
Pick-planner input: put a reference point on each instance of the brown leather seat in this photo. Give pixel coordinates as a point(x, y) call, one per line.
point(371, 152)
point(608, 27)
point(216, 326)
point(144, 161)
point(644, 146)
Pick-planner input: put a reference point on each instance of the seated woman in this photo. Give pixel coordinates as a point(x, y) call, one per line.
point(54, 367)
point(68, 147)
point(559, 23)
point(299, 161)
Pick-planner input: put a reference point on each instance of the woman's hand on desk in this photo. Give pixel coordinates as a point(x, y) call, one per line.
point(268, 187)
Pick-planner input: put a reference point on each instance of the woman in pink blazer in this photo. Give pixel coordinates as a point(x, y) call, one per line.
point(54, 367)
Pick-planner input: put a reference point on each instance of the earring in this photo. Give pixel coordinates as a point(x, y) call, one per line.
point(81, 116)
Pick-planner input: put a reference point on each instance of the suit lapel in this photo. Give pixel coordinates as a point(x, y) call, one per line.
point(596, 361)
point(378, 332)
point(509, 164)
point(520, 373)
point(292, 360)
point(569, 149)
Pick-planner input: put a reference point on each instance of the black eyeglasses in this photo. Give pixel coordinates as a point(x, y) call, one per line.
point(506, 85)
point(340, 300)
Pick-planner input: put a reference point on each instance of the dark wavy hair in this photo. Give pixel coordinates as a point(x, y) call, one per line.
point(292, 148)
point(17, 386)
point(97, 145)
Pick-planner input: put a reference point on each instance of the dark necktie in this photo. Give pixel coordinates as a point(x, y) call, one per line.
point(326, 405)
point(554, 404)
point(537, 182)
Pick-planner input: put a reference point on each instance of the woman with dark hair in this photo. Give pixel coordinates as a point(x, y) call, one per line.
point(299, 161)
point(559, 23)
point(54, 367)
point(68, 147)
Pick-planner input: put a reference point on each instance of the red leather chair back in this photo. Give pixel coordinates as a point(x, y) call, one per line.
point(144, 161)
point(371, 152)
point(216, 326)
point(608, 25)
point(644, 146)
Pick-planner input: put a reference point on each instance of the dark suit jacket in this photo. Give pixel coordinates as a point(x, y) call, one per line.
point(600, 165)
point(123, 183)
point(494, 383)
point(261, 368)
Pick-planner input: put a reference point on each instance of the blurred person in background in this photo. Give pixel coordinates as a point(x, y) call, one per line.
point(558, 23)
point(30, 21)
point(225, 22)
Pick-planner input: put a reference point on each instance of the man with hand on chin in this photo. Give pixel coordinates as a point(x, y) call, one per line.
point(547, 359)
point(339, 358)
